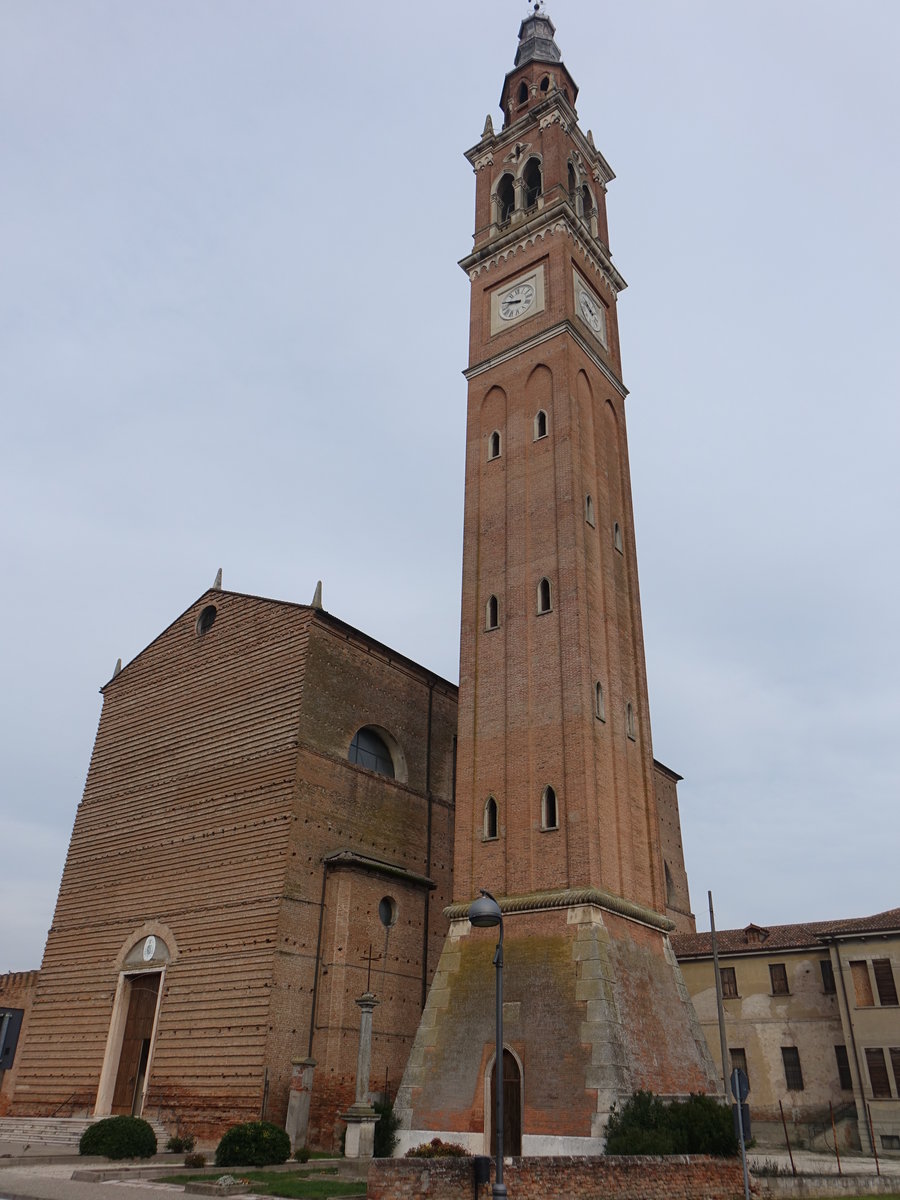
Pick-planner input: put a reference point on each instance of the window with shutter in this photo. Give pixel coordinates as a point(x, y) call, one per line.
point(878, 1072)
point(862, 984)
point(827, 976)
point(729, 982)
point(793, 1075)
point(843, 1066)
point(884, 981)
point(895, 1064)
point(778, 976)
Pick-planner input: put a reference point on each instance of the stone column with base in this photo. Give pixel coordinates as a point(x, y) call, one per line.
point(361, 1116)
point(297, 1123)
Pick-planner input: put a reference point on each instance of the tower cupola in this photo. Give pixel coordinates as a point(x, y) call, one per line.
point(539, 69)
point(536, 40)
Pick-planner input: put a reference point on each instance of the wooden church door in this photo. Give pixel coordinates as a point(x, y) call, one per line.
point(512, 1107)
point(143, 993)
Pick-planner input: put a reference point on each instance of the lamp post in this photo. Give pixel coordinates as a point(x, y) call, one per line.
point(484, 913)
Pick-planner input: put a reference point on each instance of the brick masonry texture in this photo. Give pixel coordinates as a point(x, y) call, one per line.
point(16, 991)
point(561, 1178)
point(218, 787)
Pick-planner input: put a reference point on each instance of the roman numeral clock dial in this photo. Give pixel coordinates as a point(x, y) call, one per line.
point(516, 301)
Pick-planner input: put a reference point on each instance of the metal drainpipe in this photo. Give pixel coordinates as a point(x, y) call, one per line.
point(427, 841)
point(859, 1074)
point(315, 995)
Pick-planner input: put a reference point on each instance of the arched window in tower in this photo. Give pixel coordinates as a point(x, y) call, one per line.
point(587, 203)
point(506, 198)
point(589, 510)
point(573, 183)
point(492, 615)
point(617, 537)
point(540, 424)
point(533, 183)
point(544, 596)
point(599, 703)
point(545, 84)
point(494, 444)
point(368, 749)
point(629, 721)
point(490, 819)
point(523, 92)
point(549, 812)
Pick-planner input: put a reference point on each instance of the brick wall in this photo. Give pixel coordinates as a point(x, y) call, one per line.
point(16, 992)
point(561, 1178)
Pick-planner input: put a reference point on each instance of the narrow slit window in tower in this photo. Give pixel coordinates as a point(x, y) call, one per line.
point(629, 721)
point(544, 596)
point(549, 813)
point(617, 537)
point(573, 183)
point(599, 703)
point(490, 819)
point(589, 510)
point(494, 445)
point(493, 613)
point(540, 424)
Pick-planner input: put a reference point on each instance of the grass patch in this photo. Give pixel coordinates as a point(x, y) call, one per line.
point(281, 1183)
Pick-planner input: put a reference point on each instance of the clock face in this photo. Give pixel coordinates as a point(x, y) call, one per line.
point(149, 947)
point(590, 310)
point(516, 301)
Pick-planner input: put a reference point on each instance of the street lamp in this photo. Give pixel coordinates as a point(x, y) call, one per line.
point(484, 913)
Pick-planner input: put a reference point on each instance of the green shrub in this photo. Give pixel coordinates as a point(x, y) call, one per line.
point(437, 1149)
point(648, 1125)
point(255, 1144)
point(302, 1154)
point(385, 1129)
point(178, 1143)
point(119, 1137)
point(195, 1160)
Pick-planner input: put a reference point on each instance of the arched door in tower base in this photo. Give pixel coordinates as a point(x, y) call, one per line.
point(512, 1107)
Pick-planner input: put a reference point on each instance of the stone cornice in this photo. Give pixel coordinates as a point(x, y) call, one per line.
point(572, 898)
point(362, 862)
point(561, 327)
point(559, 219)
point(555, 108)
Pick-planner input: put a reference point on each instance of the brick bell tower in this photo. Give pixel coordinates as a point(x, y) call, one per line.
point(556, 811)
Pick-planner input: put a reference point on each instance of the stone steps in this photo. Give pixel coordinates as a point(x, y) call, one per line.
point(56, 1131)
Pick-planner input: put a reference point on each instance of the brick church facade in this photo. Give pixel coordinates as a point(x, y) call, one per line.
point(281, 813)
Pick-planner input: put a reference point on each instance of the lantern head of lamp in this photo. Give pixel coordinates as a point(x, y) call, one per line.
point(485, 911)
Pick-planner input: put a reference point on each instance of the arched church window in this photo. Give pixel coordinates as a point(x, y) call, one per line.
point(589, 510)
point(540, 424)
point(490, 819)
point(368, 749)
point(545, 84)
point(549, 811)
point(544, 596)
point(523, 92)
point(506, 198)
point(493, 613)
point(573, 183)
point(494, 444)
point(533, 183)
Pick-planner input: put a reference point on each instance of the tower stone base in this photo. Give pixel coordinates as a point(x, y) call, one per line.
point(595, 1008)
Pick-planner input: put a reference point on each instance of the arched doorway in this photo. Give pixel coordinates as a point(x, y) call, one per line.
point(512, 1107)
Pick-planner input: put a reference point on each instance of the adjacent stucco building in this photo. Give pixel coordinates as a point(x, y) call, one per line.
point(812, 1016)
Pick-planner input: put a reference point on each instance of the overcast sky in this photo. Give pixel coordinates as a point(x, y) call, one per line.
point(231, 334)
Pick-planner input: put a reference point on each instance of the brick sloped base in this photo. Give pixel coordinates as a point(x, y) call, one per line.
point(561, 1178)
